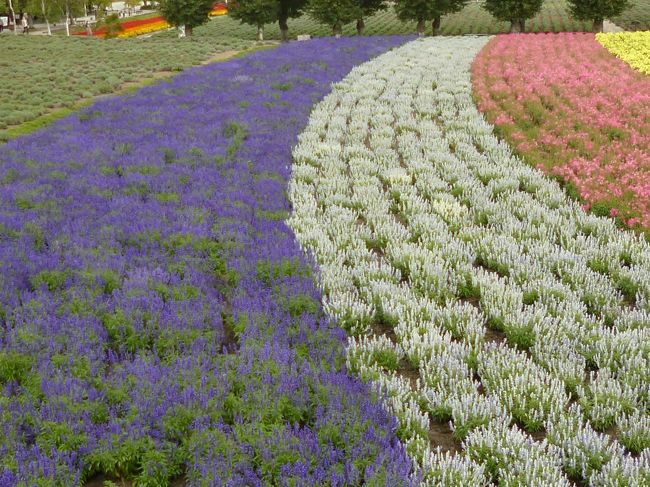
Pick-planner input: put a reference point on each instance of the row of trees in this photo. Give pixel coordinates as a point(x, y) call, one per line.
point(337, 13)
point(518, 11)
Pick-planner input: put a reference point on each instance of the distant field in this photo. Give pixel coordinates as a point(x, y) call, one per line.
point(636, 18)
point(55, 73)
point(471, 20)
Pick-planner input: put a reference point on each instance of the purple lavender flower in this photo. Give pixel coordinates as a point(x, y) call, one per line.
point(157, 318)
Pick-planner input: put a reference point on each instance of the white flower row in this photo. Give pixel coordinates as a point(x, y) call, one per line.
point(475, 291)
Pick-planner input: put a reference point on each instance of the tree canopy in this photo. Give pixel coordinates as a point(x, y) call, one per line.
point(335, 13)
point(254, 12)
point(514, 11)
point(185, 13)
point(423, 11)
point(261, 12)
point(597, 10)
point(369, 7)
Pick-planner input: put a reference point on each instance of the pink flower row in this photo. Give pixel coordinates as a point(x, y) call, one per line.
point(572, 109)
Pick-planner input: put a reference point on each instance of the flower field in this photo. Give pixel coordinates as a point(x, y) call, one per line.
point(341, 262)
point(631, 47)
point(571, 108)
point(56, 73)
point(137, 27)
point(508, 328)
point(218, 9)
point(158, 319)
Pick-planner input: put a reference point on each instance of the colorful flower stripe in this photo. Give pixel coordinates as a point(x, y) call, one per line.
point(572, 109)
point(133, 28)
point(631, 47)
point(140, 239)
point(144, 28)
point(219, 8)
point(507, 326)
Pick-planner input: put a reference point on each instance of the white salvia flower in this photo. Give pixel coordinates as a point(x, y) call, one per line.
point(634, 431)
point(624, 471)
point(427, 229)
point(447, 470)
point(514, 458)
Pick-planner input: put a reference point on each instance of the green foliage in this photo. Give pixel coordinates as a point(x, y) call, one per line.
point(386, 358)
point(597, 10)
point(138, 459)
point(371, 7)
point(637, 17)
point(628, 288)
point(167, 197)
point(254, 12)
point(635, 440)
point(188, 13)
point(112, 26)
point(335, 13)
point(301, 304)
point(53, 280)
point(423, 11)
point(514, 11)
point(14, 367)
point(260, 12)
point(522, 336)
point(268, 271)
point(237, 133)
point(59, 436)
point(467, 288)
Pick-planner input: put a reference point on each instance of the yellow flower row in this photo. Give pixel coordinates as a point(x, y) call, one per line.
point(631, 47)
point(144, 29)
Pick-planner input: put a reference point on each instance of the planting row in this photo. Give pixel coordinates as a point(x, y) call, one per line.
point(157, 318)
point(53, 72)
point(478, 295)
point(573, 110)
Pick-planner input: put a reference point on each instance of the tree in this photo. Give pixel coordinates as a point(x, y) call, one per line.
point(514, 11)
point(187, 14)
point(112, 26)
point(368, 8)
point(335, 13)
point(597, 10)
point(254, 12)
point(47, 9)
point(13, 16)
point(423, 11)
point(288, 9)
point(260, 12)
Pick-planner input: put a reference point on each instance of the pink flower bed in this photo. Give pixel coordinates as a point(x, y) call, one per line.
point(573, 110)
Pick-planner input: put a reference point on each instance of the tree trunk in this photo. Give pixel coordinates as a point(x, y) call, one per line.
point(67, 19)
point(361, 25)
point(517, 26)
point(284, 29)
point(260, 33)
point(420, 27)
point(13, 16)
point(337, 29)
point(47, 22)
point(599, 24)
point(435, 25)
point(188, 31)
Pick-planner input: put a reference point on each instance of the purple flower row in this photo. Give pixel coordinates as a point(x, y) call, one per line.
point(157, 318)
